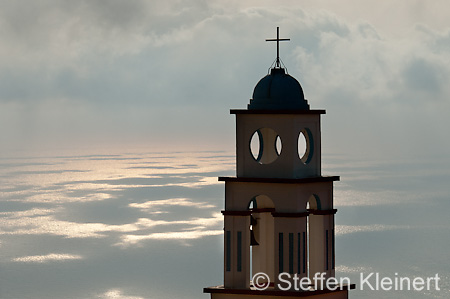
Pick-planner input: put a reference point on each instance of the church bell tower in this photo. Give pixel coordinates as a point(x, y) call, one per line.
point(279, 214)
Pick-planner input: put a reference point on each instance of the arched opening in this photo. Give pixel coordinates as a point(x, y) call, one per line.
point(261, 236)
point(313, 203)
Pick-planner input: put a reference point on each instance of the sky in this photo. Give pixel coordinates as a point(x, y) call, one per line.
point(164, 74)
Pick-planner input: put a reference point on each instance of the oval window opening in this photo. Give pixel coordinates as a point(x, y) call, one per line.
point(305, 146)
point(278, 145)
point(302, 146)
point(265, 145)
point(255, 146)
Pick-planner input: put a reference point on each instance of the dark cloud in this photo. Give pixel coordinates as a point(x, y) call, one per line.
point(423, 76)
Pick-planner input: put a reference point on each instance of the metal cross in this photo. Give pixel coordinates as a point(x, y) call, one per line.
point(278, 39)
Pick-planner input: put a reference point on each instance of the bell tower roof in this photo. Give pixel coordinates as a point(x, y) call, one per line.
point(278, 90)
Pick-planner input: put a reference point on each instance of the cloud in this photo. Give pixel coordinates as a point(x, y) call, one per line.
point(193, 229)
point(128, 240)
point(353, 197)
point(146, 70)
point(46, 222)
point(422, 76)
point(47, 258)
point(46, 200)
point(156, 205)
point(349, 269)
point(117, 294)
point(66, 29)
point(372, 69)
point(351, 229)
point(36, 224)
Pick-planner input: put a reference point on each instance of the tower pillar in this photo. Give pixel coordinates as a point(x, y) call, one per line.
point(321, 243)
point(263, 252)
point(237, 249)
point(291, 245)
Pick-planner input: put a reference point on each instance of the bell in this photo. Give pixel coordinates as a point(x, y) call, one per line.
point(252, 239)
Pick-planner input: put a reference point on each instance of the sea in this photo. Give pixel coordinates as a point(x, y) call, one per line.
point(135, 224)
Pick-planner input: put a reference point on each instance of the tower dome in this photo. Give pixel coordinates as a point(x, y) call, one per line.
point(278, 91)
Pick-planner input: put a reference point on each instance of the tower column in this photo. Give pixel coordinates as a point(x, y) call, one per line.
point(262, 254)
point(321, 242)
point(237, 249)
point(290, 245)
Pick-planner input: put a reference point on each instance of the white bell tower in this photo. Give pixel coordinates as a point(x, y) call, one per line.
point(279, 214)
